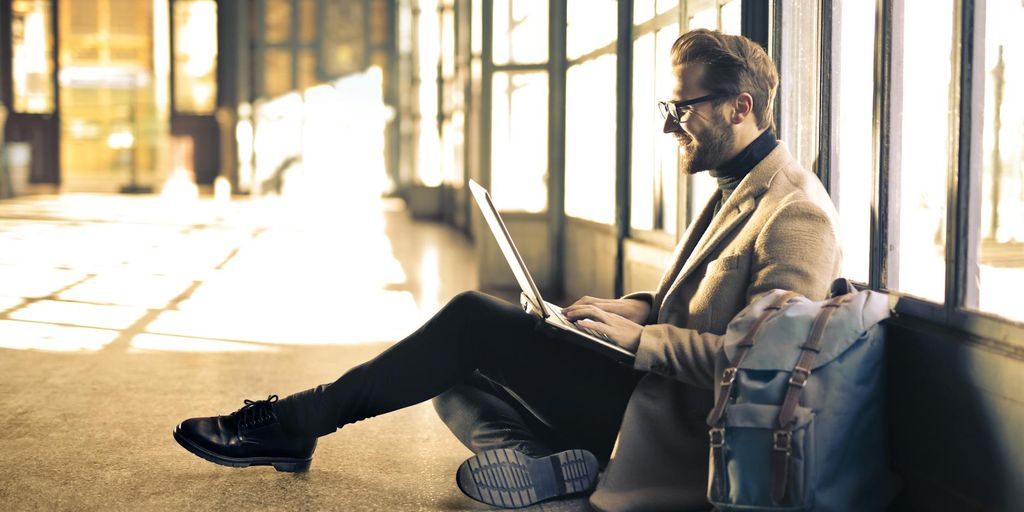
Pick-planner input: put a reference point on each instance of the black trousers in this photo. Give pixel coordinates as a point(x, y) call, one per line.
point(500, 379)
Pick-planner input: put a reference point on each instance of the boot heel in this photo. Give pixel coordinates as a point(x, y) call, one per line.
point(293, 467)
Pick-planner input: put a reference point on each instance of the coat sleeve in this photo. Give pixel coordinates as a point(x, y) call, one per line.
point(647, 297)
point(796, 250)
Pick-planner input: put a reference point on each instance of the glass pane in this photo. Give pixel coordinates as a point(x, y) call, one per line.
point(592, 24)
point(667, 157)
point(800, 81)
point(32, 56)
point(731, 21)
point(278, 21)
point(704, 18)
point(667, 5)
point(307, 21)
point(1002, 181)
point(277, 71)
point(307, 69)
point(590, 140)
point(924, 149)
point(643, 10)
point(195, 56)
point(476, 34)
point(646, 130)
point(853, 164)
point(448, 43)
point(519, 141)
point(520, 31)
point(701, 186)
point(428, 167)
point(342, 45)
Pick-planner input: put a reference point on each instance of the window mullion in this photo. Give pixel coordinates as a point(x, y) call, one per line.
point(888, 106)
point(963, 207)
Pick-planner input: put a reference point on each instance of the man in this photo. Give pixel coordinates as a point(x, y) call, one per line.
point(543, 415)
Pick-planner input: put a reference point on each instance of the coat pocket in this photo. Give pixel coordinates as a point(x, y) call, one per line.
point(722, 264)
point(741, 479)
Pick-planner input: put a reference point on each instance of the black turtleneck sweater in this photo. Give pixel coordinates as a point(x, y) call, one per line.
point(731, 173)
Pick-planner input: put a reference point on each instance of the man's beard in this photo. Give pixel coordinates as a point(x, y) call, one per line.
point(710, 152)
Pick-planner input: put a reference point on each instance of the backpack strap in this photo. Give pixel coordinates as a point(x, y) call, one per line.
point(783, 436)
point(717, 417)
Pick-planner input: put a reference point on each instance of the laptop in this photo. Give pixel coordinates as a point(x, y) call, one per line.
point(551, 313)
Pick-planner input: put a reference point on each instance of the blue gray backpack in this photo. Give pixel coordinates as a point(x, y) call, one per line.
point(799, 416)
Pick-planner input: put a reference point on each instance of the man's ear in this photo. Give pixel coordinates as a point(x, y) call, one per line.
point(743, 106)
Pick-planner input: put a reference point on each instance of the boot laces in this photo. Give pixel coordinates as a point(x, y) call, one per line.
point(256, 412)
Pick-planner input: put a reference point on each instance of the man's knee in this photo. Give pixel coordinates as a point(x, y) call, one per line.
point(467, 300)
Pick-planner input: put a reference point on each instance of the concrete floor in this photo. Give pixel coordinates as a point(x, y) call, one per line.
point(120, 316)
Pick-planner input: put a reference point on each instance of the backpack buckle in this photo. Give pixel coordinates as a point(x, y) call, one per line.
point(782, 440)
point(729, 376)
point(799, 377)
point(717, 436)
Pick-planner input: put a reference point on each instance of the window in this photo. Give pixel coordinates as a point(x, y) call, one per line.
point(1001, 251)
point(519, 157)
point(590, 100)
point(654, 169)
point(590, 140)
point(930, 129)
point(519, 105)
point(428, 164)
point(709, 15)
point(853, 161)
point(195, 56)
point(520, 32)
point(32, 56)
point(923, 150)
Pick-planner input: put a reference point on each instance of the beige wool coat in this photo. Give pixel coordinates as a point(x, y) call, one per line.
point(776, 230)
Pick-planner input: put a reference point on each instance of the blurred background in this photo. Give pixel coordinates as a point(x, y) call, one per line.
point(203, 201)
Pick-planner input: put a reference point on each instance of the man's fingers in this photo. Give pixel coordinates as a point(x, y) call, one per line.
point(587, 300)
point(591, 312)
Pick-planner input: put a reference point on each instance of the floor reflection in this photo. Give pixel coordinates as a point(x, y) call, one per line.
point(87, 272)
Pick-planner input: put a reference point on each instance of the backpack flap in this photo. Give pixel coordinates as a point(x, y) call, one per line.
point(777, 346)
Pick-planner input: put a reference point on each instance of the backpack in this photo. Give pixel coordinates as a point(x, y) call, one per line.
point(799, 416)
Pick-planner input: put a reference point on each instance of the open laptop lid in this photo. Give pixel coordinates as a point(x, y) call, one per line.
point(508, 248)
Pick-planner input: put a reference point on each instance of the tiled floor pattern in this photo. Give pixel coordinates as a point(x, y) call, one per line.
point(121, 315)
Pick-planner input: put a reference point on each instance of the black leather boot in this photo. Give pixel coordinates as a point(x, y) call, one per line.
point(250, 436)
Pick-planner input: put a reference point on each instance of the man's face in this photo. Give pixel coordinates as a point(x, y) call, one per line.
point(705, 138)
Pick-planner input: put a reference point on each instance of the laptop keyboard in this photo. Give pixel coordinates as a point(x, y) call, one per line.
point(578, 327)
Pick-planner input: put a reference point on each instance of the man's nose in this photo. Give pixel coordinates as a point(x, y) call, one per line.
point(670, 126)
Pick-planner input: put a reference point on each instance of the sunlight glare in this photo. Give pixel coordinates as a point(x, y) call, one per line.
point(52, 338)
point(161, 343)
point(80, 314)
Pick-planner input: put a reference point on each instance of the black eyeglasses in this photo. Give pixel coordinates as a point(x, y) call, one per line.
point(680, 110)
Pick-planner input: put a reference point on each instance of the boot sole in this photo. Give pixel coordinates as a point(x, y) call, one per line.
point(285, 464)
point(510, 479)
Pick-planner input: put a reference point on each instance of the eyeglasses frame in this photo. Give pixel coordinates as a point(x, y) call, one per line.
point(677, 106)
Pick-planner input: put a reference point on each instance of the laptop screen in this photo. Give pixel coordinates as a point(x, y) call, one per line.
point(508, 248)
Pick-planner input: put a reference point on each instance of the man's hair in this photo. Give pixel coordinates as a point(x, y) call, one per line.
point(733, 65)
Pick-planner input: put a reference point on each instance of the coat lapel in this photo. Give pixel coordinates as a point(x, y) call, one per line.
point(729, 217)
point(733, 213)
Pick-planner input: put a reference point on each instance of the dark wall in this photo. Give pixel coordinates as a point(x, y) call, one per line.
point(957, 420)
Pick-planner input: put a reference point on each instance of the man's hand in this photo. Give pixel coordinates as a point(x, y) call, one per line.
point(602, 316)
point(634, 310)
